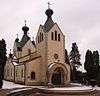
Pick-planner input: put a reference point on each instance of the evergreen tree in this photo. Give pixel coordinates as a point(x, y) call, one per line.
point(96, 67)
point(74, 56)
point(91, 65)
point(96, 58)
point(66, 57)
point(96, 63)
point(88, 61)
point(2, 60)
point(98, 77)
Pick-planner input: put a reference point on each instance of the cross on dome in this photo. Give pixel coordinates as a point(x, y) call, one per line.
point(25, 28)
point(17, 35)
point(49, 5)
point(25, 22)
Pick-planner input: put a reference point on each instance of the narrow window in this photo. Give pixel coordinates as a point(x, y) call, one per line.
point(55, 35)
point(32, 75)
point(58, 37)
point(11, 72)
point(7, 72)
point(29, 51)
point(51, 35)
point(42, 36)
point(22, 73)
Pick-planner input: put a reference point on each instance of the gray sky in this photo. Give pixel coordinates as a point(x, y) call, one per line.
point(79, 20)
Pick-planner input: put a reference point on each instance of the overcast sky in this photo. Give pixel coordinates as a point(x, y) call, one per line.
point(79, 20)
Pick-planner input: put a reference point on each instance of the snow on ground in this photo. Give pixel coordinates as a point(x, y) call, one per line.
point(97, 88)
point(17, 90)
point(11, 85)
point(72, 88)
point(76, 84)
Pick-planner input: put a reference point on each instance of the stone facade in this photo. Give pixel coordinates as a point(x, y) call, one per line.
point(9, 70)
point(39, 62)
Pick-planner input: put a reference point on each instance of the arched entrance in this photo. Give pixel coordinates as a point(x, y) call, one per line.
point(58, 76)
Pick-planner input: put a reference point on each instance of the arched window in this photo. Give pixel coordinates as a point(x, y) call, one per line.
point(58, 37)
point(42, 36)
point(32, 75)
point(51, 35)
point(55, 35)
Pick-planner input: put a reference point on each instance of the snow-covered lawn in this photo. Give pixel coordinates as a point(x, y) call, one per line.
point(72, 88)
point(11, 85)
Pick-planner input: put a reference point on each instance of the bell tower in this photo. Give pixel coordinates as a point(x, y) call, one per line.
point(50, 44)
point(50, 40)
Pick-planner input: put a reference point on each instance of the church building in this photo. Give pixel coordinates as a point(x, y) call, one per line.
point(41, 61)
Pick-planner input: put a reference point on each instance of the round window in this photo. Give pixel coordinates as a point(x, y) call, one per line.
point(56, 56)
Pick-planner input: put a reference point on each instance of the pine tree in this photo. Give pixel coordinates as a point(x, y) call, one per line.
point(66, 57)
point(91, 65)
point(88, 61)
point(74, 56)
point(96, 63)
point(96, 67)
point(96, 58)
point(2, 60)
point(87, 65)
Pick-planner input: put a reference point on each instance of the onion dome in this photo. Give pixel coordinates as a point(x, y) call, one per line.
point(16, 40)
point(49, 22)
point(49, 12)
point(25, 28)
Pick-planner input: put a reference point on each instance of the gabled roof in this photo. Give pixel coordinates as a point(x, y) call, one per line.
point(24, 39)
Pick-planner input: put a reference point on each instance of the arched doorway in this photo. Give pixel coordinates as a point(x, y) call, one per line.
point(58, 76)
